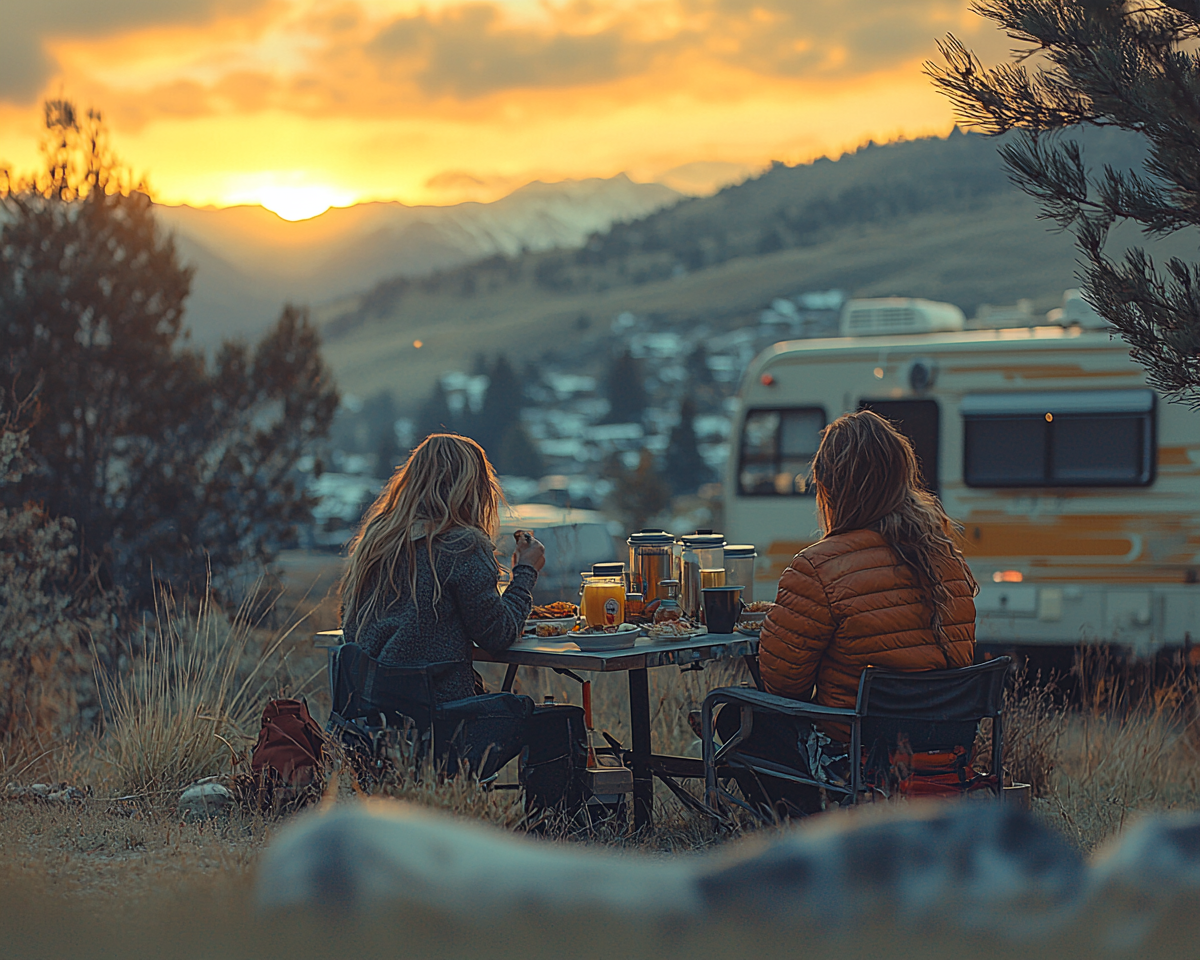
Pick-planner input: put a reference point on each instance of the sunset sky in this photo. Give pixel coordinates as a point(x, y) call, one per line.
point(299, 104)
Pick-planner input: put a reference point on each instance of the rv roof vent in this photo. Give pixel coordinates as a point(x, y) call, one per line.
point(1076, 310)
point(898, 315)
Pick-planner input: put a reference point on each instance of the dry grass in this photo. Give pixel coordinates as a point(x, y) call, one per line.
point(1131, 746)
point(190, 708)
point(190, 705)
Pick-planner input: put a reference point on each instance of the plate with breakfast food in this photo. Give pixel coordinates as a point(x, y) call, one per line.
point(552, 619)
point(751, 628)
point(754, 612)
point(617, 636)
point(674, 630)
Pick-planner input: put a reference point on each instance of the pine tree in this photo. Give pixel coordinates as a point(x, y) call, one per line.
point(501, 407)
point(639, 494)
point(625, 390)
point(164, 461)
point(685, 469)
point(1104, 63)
point(517, 455)
point(379, 415)
point(435, 415)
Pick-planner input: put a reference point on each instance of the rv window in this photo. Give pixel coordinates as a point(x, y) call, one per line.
point(920, 421)
point(1087, 438)
point(777, 448)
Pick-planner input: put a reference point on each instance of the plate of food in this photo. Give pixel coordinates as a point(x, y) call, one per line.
point(549, 628)
point(674, 630)
point(616, 637)
point(552, 619)
point(751, 628)
point(754, 612)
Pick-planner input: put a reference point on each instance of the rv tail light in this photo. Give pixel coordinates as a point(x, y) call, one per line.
point(1007, 576)
point(767, 380)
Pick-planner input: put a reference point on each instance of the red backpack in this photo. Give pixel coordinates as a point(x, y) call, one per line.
point(290, 749)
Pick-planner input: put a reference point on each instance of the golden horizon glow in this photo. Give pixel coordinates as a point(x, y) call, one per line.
point(303, 105)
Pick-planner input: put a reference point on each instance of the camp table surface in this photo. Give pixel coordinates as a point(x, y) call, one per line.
point(636, 660)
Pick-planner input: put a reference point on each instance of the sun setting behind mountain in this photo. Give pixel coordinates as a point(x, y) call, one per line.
point(302, 104)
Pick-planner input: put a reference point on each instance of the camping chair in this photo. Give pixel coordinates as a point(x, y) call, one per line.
point(372, 704)
point(377, 708)
point(925, 711)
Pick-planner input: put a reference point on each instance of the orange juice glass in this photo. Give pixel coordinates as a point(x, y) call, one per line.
point(712, 578)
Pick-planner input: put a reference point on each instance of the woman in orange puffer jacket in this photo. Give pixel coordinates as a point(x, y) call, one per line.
point(885, 587)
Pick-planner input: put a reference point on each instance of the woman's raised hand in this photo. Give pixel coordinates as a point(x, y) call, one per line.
point(529, 550)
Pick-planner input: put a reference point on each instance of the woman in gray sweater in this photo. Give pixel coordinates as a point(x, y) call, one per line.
point(422, 582)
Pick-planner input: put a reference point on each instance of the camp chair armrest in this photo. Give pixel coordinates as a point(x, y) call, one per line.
point(775, 704)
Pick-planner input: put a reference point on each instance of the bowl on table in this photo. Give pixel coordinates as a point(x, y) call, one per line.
point(758, 615)
point(619, 639)
point(559, 627)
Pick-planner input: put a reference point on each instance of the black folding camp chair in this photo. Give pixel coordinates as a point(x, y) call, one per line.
point(926, 711)
point(378, 707)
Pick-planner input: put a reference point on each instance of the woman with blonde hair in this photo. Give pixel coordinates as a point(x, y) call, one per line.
point(421, 586)
point(885, 586)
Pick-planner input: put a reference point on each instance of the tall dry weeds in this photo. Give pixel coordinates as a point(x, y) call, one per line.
point(1129, 748)
point(1034, 720)
point(190, 705)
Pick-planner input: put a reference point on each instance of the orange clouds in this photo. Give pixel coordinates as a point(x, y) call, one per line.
point(394, 99)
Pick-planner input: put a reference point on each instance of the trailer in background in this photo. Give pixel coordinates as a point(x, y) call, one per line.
point(1077, 488)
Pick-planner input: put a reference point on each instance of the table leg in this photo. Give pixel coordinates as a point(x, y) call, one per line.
point(509, 676)
point(751, 661)
point(639, 728)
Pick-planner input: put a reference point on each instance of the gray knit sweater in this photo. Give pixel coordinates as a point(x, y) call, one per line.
point(468, 611)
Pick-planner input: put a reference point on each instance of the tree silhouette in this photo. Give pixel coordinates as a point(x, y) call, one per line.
point(625, 390)
point(685, 469)
point(517, 455)
point(160, 460)
point(435, 415)
point(1104, 63)
point(639, 494)
point(501, 407)
point(378, 416)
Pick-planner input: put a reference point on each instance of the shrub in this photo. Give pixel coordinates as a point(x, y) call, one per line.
point(45, 670)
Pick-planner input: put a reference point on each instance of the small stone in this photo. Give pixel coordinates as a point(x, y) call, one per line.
point(204, 801)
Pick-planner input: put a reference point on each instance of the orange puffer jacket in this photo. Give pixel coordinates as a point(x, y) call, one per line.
point(847, 603)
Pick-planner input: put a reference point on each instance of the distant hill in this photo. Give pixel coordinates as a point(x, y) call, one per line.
point(249, 261)
point(935, 218)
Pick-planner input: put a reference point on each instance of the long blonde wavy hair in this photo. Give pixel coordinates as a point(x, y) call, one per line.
point(867, 478)
point(447, 483)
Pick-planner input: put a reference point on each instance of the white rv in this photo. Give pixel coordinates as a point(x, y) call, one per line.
point(1077, 487)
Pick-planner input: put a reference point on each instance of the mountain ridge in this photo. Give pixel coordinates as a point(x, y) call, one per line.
point(249, 260)
point(935, 218)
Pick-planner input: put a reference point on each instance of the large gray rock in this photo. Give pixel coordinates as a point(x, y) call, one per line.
point(205, 800)
point(358, 856)
point(954, 879)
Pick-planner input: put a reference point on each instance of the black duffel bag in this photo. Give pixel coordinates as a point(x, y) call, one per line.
point(553, 766)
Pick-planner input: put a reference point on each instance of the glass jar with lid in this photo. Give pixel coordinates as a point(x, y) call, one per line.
point(668, 602)
point(702, 565)
point(739, 567)
point(653, 557)
point(602, 595)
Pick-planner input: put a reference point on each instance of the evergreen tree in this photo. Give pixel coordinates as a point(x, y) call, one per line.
point(685, 468)
point(517, 455)
point(639, 494)
point(501, 407)
point(379, 416)
point(435, 415)
point(625, 389)
point(697, 366)
point(1104, 63)
point(163, 461)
